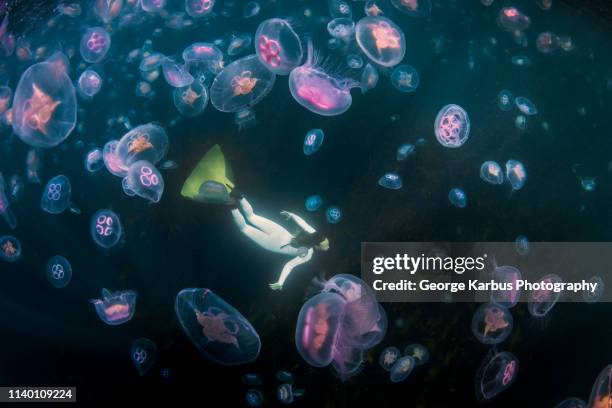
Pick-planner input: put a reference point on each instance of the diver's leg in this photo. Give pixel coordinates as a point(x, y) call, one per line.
point(264, 224)
point(260, 237)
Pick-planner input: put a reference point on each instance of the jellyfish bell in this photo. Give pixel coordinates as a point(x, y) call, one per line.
point(507, 276)
point(94, 160)
point(114, 164)
point(547, 42)
point(497, 372)
point(115, 308)
point(516, 174)
point(405, 78)
point(10, 249)
point(206, 54)
point(107, 10)
point(59, 271)
point(199, 8)
point(95, 44)
point(190, 100)
point(143, 354)
point(572, 403)
point(313, 141)
point(342, 28)
point(452, 126)
point(56, 196)
point(175, 75)
point(491, 172)
point(89, 84)
point(413, 8)
point(492, 323)
point(106, 230)
point(278, 46)
point(381, 40)
point(418, 352)
point(388, 357)
point(145, 181)
point(543, 299)
point(512, 19)
point(402, 369)
point(145, 142)
point(391, 181)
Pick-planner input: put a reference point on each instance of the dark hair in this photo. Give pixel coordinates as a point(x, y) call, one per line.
point(307, 239)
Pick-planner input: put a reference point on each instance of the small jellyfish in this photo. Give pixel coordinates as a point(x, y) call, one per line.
point(418, 352)
point(405, 78)
point(245, 118)
point(492, 323)
point(95, 43)
point(145, 142)
point(251, 9)
point(143, 354)
point(199, 8)
point(354, 61)
point(507, 277)
point(14, 188)
point(520, 122)
point(521, 61)
point(176, 75)
point(107, 10)
point(516, 174)
point(145, 181)
point(313, 141)
point(452, 126)
point(206, 54)
point(457, 197)
point(94, 160)
point(10, 249)
point(566, 43)
point(254, 398)
point(5, 207)
point(89, 84)
point(313, 203)
point(333, 215)
point(106, 229)
point(339, 8)
point(497, 372)
point(402, 369)
point(56, 196)
point(342, 28)
point(504, 100)
point(404, 151)
point(69, 9)
point(413, 8)
point(521, 244)
point(381, 40)
point(59, 271)
point(33, 165)
point(277, 45)
point(491, 172)
point(547, 42)
point(152, 61)
point(115, 307)
point(286, 394)
point(388, 357)
point(191, 100)
point(525, 106)
point(588, 183)
point(251, 379)
point(284, 376)
point(593, 296)
point(572, 403)
point(373, 8)
point(153, 6)
point(241, 84)
point(601, 394)
point(238, 44)
point(144, 90)
point(544, 298)
point(391, 181)
point(511, 19)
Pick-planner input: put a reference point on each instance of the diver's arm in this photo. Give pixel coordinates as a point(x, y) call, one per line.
point(299, 221)
point(298, 260)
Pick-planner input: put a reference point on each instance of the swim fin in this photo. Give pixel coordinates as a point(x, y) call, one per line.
point(210, 181)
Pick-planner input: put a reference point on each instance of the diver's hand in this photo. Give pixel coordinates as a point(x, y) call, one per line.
point(286, 214)
point(276, 286)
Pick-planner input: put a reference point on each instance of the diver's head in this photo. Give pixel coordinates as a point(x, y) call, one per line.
point(323, 245)
point(315, 240)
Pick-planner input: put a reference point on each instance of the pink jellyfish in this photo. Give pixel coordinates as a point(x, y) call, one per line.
point(381, 40)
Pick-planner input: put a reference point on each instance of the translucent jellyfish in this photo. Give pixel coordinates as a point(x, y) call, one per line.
point(106, 229)
point(238, 43)
point(245, 118)
point(69, 9)
point(452, 126)
point(284, 376)
point(414, 8)
point(492, 323)
point(254, 398)
point(191, 100)
point(56, 196)
point(373, 8)
point(217, 330)
point(547, 42)
point(542, 300)
point(278, 46)
point(491, 172)
point(33, 165)
point(571, 403)
point(525, 105)
point(286, 394)
point(354, 61)
point(89, 84)
point(95, 43)
point(153, 6)
point(318, 91)
point(59, 271)
point(404, 151)
point(391, 181)
point(381, 40)
point(520, 122)
point(94, 160)
point(44, 106)
point(241, 84)
point(152, 61)
point(313, 141)
point(144, 90)
point(145, 142)
point(521, 243)
point(521, 61)
point(516, 174)
point(313, 203)
point(511, 19)
point(596, 294)
point(199, 8)
point(497, 372)
point(6, 96)
point(114, 164)
point(251, 379)
point(388, 357)
point(5, 207)
point(588, 183)
point(143, 354)
point(107, 10)
point(10, 249)
point(342, 28)
point(176, 75)
point(601, 394)
point(566, 43)
point(333, 215)
point(14, 188)
point(457, 197)
point(504, 100)
point(251, 9)
point(506, 275)
point(145, 181)
point(405, 78)
point(402, 369)
point(207, 54)
point(418, 352)
point(115, 307)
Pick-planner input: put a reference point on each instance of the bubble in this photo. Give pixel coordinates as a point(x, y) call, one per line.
point(313, 202)
point(491, 172)
point(391, 181)
point(251, 9)
point(254, 398)
point(418, 352)
point(145, 142)
point(145, 181)
point(388, 357)
point(525, 105)
point(547, 42)
point(95, 44)
point(106, 229)
point(381, 40)
point(94, 160)
point(217, 330)
point(333, 215)
point(89, 84)
point(601, 394)
point(278, 46)
point(199, 8)
point(191, 100)
point(175, 74)
point(402, 369)
point(56, 195)
point(313, 141)
point(457, 197)
point(405, 78)
point(10, 248)
point(59, 271)
point(404, 151)
point(143, 354)
point(497, 372)
point(452, 126)
point(341, 28)
point(413, 8)
point(594, 296)
point(5, 207)
point(511, 19)
point(521, 244)
point(115, 307)
point(504, 100)
point(541, 301)
point(506, 275)
point(516, 174)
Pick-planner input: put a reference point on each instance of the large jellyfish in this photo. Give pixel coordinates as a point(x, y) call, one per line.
point(381, 40)
point(413, 8)
point(497, 372)
point(5, 208)
point(95, 43)
point(145, 181)
point(241, 84)
point(277, 45)
point(145, 142)
point(44, 106)
point(217, 330)
point(56, 196)
point(601, 395)
point(115, 307)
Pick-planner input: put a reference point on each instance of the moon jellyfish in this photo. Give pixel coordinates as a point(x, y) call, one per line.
point(5, 207)
point(491, 172)
point(59, 271)
point(175, 74)
point(95, 43)
point(571, 403)
point(245, 118)
point(342, 28)
point(381, 40)
point(243, 83)
point(369, 78)
point(373, 8)
point(413, 8)
point(107, 10)
point(388, 357)
point(492, 323)
point(497, 372)
point(238, 43)
point(547, 42)
point(254, 398)
point(199, 8)
point(405, 78)
point(525, 105)
point(391, 181)
point(94, 160)
point(313, 141)
point(402, 369)
point(114, 164)
point(144, 90)
point(601, 394)
point(507, 277)
point(277, 45)
point(504, 100)
point(313, 203)
point(153, 6)
point(339, 8)
point(452, 126)
point(333, 215)
point(44, 106)
point(457, 197)
point(145, 142)
point(14, 187)
point(418, 352)
point(521, 243)
point(251, 379)
point(512, 20)
point(207, 54)
point(145, 181)
point(191, 100)
point(217, 330)
point(33, 165)
point(143, 354)
point(593, 296)
point(516, 174)
point(286, 394)
point(106, 229)
point(284, 376)
point(115, 307)
point(56, 196)
point(89, 83)
point(251, 9)
point(544, 298)
point(10, 249)
point(152, 61)
point(354, 61)
point(588, 183)
point(404, 151)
